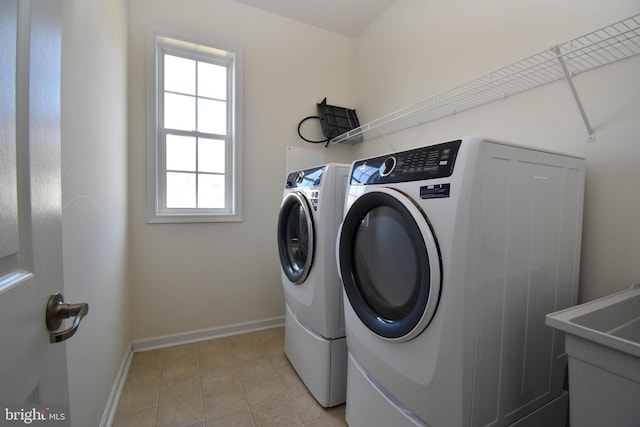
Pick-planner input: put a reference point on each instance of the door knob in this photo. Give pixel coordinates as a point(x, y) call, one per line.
point(57, 311)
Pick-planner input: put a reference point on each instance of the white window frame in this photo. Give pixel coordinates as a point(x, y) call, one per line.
point(157, 45)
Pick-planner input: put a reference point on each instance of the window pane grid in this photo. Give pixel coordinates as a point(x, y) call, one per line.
point(195, 190)
point(195, 171)
point(179, 113)
point(189, 110)
point(196, 144)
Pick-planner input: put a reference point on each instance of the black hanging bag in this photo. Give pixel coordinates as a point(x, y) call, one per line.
point(335, 121)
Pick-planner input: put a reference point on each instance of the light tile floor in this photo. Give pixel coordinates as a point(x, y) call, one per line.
point(238, 381)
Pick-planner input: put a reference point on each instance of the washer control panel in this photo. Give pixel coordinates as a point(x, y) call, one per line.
point(431, 162)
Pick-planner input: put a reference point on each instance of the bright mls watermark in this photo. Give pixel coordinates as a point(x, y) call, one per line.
point(37, 415)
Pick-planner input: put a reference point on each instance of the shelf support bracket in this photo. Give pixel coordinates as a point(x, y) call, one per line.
point(574, 92)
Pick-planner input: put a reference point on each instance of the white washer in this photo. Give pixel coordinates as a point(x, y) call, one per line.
point(450, 256)
point(308, 221)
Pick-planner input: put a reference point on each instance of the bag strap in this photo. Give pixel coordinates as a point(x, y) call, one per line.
point(308, 140)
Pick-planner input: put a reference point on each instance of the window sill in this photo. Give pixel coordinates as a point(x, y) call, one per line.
point(191, 218)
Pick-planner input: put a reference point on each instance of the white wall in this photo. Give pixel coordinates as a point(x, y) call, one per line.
point(420, 48)
point(94, 197)
point(186, 277)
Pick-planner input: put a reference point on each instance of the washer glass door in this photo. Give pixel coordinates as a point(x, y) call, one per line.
point(390, 264)
point(295, 237)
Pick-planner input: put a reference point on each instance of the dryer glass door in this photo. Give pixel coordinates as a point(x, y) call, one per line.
point(295, 237)
point(390, 264)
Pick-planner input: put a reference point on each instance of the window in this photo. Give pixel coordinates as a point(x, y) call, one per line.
point(194, 144)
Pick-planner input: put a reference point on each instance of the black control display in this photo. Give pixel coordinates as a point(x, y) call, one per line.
point(305, 178)
point(434, 161)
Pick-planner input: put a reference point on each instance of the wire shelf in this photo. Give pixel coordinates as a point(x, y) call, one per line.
point(610, 44)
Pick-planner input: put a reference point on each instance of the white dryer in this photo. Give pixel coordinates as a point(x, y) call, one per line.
point(308, 221)
point(450, 257)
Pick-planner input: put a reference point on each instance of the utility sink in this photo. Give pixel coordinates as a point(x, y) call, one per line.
point(603, 345)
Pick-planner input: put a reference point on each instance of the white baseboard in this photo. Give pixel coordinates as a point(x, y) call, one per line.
point(114, 397)
point(205, 334)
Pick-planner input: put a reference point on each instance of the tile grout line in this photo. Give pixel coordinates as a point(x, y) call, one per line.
point(244, 394)
point(157, 397)
point(200, 385)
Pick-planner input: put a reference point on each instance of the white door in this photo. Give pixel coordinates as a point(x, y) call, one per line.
point(32, 370)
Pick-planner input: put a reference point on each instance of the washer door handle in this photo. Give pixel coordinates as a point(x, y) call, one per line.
point(57, 311)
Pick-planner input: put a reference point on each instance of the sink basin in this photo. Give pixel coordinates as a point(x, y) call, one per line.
point(603, 345)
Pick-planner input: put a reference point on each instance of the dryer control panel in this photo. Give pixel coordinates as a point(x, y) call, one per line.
point(305, 178)
point(433, 161)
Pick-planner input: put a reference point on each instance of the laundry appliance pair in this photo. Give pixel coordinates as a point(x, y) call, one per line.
point(450, 256)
